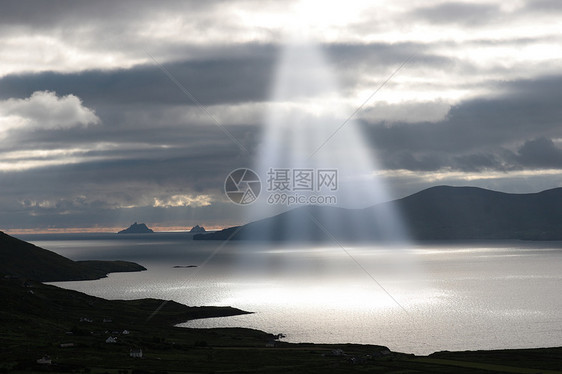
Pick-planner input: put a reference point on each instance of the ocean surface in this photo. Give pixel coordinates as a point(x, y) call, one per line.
point(416, 298)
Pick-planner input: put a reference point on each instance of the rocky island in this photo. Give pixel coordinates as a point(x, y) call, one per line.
point(136, 228)
point(197, 230)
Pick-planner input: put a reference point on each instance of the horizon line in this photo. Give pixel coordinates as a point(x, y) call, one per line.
point(101, 230)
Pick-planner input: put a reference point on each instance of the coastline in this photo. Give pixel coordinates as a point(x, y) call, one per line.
point(74, 329)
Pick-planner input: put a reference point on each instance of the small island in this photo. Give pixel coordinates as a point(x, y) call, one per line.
point(197, 230)
point(136, 228)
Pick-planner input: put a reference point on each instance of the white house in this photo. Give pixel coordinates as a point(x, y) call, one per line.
point(111, 339)
point(135, 352)
point(45, 360)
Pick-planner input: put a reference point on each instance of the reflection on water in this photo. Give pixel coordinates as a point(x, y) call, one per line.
point(475, 296)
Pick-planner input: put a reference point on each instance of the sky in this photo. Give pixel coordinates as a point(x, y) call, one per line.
point(114, 112)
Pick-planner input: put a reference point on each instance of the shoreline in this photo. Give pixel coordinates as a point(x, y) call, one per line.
point(76, 338)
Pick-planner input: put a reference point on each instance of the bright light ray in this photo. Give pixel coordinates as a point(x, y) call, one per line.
point(293, 134)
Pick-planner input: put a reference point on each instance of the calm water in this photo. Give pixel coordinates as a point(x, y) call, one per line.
point(438, 297)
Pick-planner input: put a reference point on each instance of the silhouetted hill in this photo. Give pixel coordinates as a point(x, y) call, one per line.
point(452, 213)
point(197, 229)
point(475, 213)
point(136, 228)
point(311, 223)
point(24, 260)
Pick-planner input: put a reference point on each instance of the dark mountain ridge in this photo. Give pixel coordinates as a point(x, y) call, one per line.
point(437, 213)
point(474, 213)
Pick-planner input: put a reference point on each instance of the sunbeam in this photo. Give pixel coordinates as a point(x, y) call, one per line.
point(305, 147)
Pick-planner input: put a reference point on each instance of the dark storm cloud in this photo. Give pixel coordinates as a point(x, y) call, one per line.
point(215, 75)
point(219, 81)
point(39, 14)
point(541, 153)
point(123, 185)
point(231, 75)
point(482, 133)
point(457, 12)
point(153, 142)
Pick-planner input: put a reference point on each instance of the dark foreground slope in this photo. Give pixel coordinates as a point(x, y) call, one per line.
point(71, 328)
point(25, 260)
point(438, 213)
point(72, 332)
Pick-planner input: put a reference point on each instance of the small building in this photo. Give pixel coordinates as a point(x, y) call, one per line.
point(125, 332)
point(45, 360)
point(135, 352)
point(111, 340)
point(107, 320)
point(270, 344)
point(67, 345)
point(338, 352)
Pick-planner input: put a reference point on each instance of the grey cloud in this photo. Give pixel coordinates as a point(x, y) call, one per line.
point(540, 152)
point(61, 12)
point(93, 193)
point(478, 134)
point(222, 74)
point(217, 81)
point(499, 159)
point(357, 63)
point(546, 6)
point(458, 12)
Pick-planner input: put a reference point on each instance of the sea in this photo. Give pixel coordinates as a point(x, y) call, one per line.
point(413, 298)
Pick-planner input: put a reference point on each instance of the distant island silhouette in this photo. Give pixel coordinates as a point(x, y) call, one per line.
point(437, 213)
point(197, 229)
point(136, 228)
